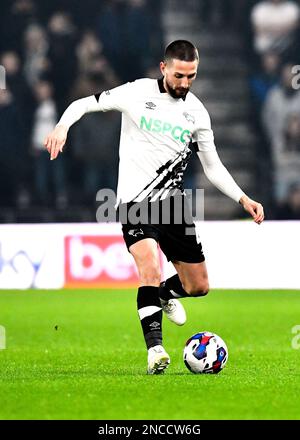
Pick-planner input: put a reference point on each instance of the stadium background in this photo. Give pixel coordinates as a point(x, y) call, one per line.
point(53, 53)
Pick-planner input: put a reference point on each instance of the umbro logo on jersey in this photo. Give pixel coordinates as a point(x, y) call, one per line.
point(107, 92)
point(150, 105)
point(189, 118)
point(136, 232)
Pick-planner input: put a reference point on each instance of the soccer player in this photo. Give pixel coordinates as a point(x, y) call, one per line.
point(160, 119)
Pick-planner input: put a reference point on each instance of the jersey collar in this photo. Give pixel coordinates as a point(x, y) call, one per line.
point(162, 89)
point(161, 86)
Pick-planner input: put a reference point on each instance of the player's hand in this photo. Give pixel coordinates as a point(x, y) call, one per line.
point(56, 140)
point(254, 208)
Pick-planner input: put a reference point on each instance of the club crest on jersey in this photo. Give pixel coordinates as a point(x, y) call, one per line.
point(150, 105)
point(189, 118)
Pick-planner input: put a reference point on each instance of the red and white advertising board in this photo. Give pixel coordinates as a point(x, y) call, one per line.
point(239, 255)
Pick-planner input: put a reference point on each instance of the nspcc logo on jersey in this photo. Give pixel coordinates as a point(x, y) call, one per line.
point(165, 128)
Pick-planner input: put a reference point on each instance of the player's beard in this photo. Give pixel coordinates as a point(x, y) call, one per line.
point(176, 92)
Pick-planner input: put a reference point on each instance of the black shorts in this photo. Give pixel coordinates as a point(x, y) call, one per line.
point(177, 239)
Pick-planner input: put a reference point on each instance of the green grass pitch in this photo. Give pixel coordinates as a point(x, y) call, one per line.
point(80, 355)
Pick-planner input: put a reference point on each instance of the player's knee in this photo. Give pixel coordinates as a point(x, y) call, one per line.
point(200, 289)
point(151, 276)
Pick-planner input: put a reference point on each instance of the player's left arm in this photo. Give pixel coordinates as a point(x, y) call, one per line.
point(219, 176)
point(214, 169)
point(254, 208)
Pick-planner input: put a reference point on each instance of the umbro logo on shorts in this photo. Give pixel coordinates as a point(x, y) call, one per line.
point(150, 105)
point(135, 232)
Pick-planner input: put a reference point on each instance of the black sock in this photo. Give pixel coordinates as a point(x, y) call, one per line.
point(150, 313)
point(172, 288)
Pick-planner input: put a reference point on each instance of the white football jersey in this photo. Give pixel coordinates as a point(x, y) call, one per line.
point(155, 137)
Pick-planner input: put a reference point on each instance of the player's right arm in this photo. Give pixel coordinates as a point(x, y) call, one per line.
point(56, 140)
point(114, 99)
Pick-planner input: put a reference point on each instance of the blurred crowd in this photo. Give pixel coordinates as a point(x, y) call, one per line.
point(53, 53)
point(270, 30)
point(275, 89)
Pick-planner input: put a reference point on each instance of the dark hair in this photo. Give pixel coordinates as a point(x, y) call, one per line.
point(181, 50)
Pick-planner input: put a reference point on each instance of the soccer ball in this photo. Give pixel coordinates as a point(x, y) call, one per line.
point(205, 352)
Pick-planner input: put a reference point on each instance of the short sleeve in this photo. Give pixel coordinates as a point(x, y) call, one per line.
point(118, 98)
point(203, 134)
